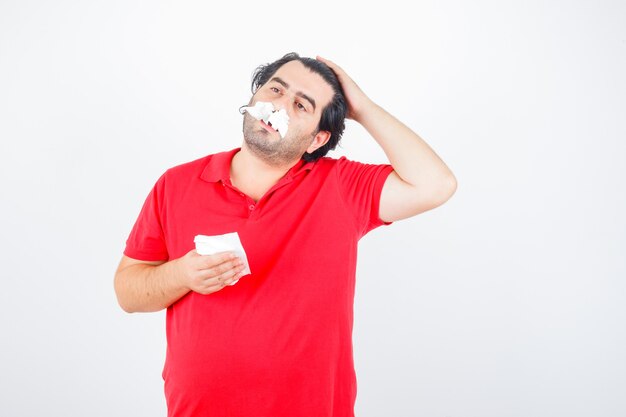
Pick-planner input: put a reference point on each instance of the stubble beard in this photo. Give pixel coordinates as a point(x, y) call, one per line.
point(274, 152)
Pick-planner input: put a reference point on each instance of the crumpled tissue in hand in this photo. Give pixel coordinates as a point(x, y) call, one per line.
point(278, 119)
point(230, 242)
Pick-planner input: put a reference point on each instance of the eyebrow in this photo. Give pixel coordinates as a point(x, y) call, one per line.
point(298, 93)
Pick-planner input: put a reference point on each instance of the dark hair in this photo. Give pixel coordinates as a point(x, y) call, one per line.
point(333, 115)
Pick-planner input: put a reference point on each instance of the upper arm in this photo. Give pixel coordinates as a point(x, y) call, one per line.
point(400, 200)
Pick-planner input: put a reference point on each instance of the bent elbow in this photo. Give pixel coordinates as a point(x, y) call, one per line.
point(119, 294)
point(450, 187)
point(442, 192)
point(125, 307)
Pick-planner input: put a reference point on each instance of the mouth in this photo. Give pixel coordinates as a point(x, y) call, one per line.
point(268, 126)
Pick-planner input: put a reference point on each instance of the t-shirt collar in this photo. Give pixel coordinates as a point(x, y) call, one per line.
point(218, 167)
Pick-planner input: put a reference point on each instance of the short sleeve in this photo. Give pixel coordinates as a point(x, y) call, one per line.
point(146, 241)
point(361, 187)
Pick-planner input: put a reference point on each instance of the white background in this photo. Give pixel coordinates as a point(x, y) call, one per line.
point(508, 300)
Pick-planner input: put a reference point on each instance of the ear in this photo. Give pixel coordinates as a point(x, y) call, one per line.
point(319, 140)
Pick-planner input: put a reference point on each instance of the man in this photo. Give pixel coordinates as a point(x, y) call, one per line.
point(279, 341)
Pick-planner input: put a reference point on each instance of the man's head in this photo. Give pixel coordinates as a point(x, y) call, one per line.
point(312, 96)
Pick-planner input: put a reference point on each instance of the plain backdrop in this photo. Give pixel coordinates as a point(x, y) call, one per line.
point(507, 301)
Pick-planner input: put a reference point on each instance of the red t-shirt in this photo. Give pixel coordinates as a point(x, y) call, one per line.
point(279, 341)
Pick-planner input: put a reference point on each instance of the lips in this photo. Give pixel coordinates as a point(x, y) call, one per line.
point(275, 121)
point(267, 126)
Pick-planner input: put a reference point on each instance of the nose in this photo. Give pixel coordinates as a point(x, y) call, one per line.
point(282, 103)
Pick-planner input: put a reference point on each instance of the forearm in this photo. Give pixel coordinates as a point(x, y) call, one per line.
point(145, 288)
point(411, 157)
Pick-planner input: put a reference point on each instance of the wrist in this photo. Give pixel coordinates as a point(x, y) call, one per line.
point(176, 275)
point(364, 111)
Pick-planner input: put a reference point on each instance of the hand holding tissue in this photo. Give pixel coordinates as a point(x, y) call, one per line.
point(229, 242)
point(277, 119)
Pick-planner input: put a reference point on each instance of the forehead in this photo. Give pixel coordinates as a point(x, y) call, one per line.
point(301, 79)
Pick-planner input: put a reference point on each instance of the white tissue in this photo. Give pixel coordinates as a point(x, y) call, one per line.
point(261, 110)
point(279, 120)
point(265, 111)
point(230, 242)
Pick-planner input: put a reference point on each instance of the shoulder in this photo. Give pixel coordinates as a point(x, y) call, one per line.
point(327, 163)
point(343, 165)
point(186, 168)
point(208, 167)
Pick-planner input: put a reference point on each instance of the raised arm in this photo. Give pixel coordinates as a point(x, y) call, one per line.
point(421, 180)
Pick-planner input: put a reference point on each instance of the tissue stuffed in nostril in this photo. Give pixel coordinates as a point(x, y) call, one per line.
point(260, 111)
point(265, 111)
point(279, 121)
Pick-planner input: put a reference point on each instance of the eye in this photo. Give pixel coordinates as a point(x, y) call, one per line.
point(275, 89)
point(300, 106)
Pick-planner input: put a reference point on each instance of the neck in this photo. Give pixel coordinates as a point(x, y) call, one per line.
point(254, 176)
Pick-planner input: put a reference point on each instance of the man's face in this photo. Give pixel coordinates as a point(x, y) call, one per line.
point(303, 94)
